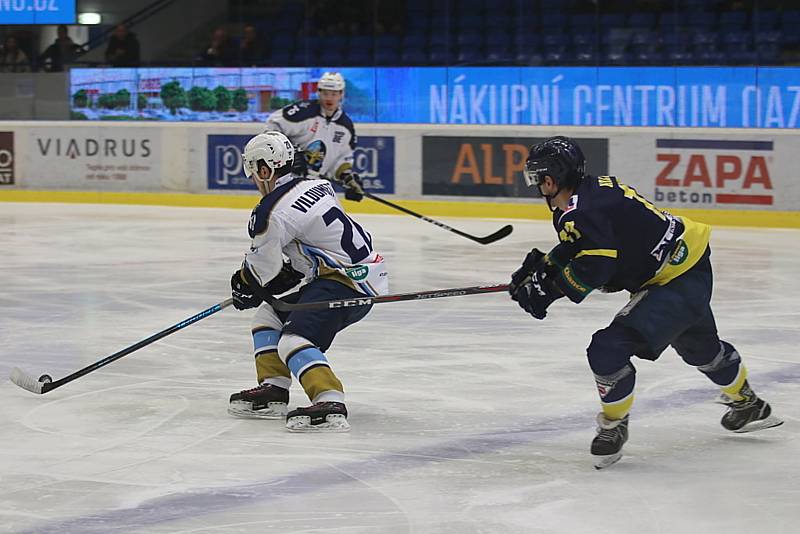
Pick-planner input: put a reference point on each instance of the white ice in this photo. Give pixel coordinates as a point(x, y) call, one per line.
point(468, 416)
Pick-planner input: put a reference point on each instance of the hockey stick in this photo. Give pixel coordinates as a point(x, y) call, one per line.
point(491, 238)
point(380, 299)
point(45, 383)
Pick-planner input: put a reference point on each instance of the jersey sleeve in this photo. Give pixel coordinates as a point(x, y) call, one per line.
point(592, 257)
point(265, 257)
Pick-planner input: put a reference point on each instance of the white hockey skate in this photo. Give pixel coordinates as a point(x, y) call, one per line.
point(319, 417)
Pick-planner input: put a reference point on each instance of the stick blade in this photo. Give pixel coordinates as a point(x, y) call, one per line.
point(25, 381)
point(497, 236)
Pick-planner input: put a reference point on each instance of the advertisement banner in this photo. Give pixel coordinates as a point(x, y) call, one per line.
point(118, 159)
point(37, 12)
point(373, 160)
point(711, 172)
point(709, 97)
point(490, 166)
point(6, 158)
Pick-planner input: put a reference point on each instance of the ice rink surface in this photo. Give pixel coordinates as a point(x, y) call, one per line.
point(468, 415)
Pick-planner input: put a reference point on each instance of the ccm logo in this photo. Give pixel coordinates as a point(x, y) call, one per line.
point(350, 303)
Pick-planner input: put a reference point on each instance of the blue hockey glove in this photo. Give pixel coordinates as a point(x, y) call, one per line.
point(353, 188)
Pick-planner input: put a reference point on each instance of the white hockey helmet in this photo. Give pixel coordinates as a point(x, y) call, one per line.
point(273, 148)
point(331, 81)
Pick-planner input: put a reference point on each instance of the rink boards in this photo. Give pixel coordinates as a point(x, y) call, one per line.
point(722, 176)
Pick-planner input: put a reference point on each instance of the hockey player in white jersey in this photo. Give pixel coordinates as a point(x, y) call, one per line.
point(323, 134)
point(299, 232)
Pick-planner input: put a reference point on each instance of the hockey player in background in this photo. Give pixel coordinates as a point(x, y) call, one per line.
point(323, 135)
point(299, 231)
point(613, 239)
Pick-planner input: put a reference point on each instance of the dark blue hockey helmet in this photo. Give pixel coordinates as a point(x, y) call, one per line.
point(558, 157)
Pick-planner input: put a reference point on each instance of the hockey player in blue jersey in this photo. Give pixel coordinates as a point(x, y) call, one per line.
point(611, 238)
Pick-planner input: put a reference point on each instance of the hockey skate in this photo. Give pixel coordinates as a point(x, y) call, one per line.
point(263, 402)
point(319, 417)
point(748, 414)
point(607, 444)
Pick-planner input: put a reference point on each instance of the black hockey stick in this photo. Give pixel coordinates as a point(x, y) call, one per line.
point(45, 383)
point(381, 299)
point(491, 238)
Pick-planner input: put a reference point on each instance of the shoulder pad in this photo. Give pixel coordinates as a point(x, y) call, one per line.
point(259, 218)
point(300, 111)
point(344, 120)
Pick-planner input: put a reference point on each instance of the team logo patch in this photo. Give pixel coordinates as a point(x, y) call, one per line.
point(680, 253)
point(357, 273)
point(315, 155)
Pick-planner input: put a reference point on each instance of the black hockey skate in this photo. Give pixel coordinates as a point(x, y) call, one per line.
point(319, 417)
point(263, 402)
point(607, 444)
point(748, 414)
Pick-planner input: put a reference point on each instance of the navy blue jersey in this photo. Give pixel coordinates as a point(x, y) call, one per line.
point(617, 240)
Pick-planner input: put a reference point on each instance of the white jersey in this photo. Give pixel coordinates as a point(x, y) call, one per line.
point(327, 143)
point(304, 221)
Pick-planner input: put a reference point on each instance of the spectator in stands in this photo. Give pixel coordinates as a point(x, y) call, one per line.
point(62, 52)
point(221, 52)
point(12, 59)
point(251, 52)
point(123, 48)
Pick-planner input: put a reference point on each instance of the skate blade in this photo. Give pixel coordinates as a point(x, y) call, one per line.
point(244, 410)
point(761, 424)
point(333, 423)
point(601, 462)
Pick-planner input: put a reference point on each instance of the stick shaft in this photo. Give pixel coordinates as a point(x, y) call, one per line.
point(382, 299)
point(136, 346)
point(483, 240)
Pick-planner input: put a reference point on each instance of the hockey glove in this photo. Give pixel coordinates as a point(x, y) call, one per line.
point(243, 295)
point(300, 164)
point(534, 260)
point(285, 280)
point(536, 293)
point(353, 188)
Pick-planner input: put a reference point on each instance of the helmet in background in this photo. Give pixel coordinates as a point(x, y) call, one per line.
point(331, 81)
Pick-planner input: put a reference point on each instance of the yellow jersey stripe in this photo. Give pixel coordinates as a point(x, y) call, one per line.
point(607, 252)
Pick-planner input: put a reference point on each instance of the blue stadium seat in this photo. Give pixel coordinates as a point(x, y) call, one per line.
point(612, 20)
point(415, 40)
point(554, 21)
point(469, 56)
point(583, 22)
point(280, 58)
point(360, 42)
point(439, 56)
point(642, 20)
point(387, 41)
point(766, 20)
point(414, 56)
point(671, 20)
point(387, 56)
point(790, 21)
point(472, 39)
point(358, 57)
point(470, 22)
point(702, 21)
point(498, 40)
point(331, 57)
point(731, 21)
